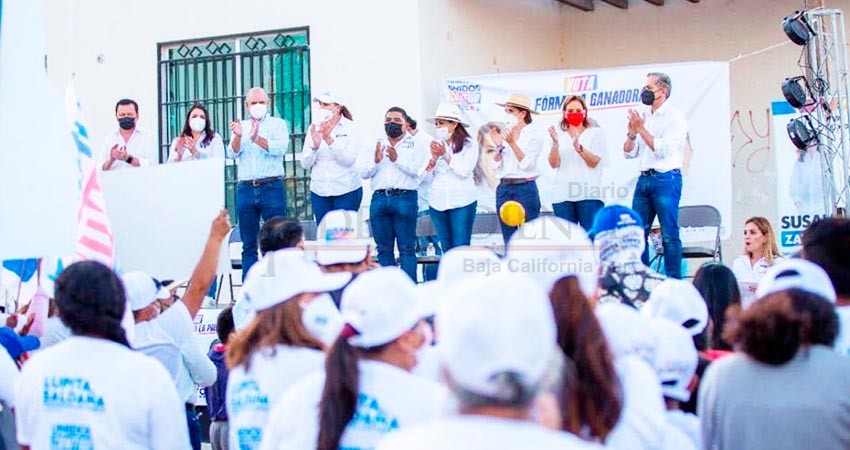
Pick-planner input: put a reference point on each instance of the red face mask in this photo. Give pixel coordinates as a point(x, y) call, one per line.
point(575, 118)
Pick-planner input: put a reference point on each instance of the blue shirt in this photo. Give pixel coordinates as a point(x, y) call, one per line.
point(254, 161)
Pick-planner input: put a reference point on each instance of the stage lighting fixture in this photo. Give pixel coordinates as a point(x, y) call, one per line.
point(797, 28)
point(802, 132)
point(796, 91)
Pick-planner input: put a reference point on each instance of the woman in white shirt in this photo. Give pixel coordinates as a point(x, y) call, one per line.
point(197, 140)
point(330, 153)
point(92, 390)
point(760, 253)
point(517, 147)
point(577, 153)
point(452, 195)
point(367, 390)
point(275, 350)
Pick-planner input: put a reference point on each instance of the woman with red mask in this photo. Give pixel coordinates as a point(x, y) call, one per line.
point(577, 152)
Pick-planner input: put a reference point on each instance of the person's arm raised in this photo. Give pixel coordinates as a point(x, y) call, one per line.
point(204, 273)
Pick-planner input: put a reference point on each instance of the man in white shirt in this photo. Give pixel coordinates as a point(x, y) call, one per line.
point(393, 167)
point(658, 140)
point(129, 146)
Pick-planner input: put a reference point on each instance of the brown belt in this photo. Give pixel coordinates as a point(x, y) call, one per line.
point(261, 181)
point(512, 181)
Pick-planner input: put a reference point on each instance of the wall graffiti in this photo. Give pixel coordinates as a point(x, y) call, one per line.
point(751, 140)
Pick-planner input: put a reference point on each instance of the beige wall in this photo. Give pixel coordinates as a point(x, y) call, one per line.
point(354, 48)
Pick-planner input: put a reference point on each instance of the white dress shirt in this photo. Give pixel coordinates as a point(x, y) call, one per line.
point(669, 128)
point(215, 149)
point(255, 162)
point(401, 174)
point(333, 168)
point(574, 179)
point(175, 326)
point(142, 146)
point(530, 142)
point(451, 184)
point(749, 275)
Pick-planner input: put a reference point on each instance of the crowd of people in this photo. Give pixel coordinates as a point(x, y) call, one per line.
point(567, 340)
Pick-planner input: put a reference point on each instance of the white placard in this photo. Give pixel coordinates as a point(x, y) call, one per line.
point(39, 172)
point(161, 215)
point(700, 90)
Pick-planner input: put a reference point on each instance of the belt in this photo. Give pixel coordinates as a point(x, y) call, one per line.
point(189, 406)
point(391, 192)
point(512, 181)
point(651, 172)
point(261, 181)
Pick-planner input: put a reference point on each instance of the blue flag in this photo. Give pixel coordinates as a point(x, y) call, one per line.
point(23, 268)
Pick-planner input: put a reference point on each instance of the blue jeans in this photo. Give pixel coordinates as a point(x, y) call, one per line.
point(659, 194)
point(252, 203)
point(527, 196)
point(429, 271)
point(454, 226)
point(194, 426)
point(323, 205)
point(581, 212)
point(393, 219)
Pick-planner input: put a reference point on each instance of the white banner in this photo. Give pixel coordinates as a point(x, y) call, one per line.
point(799, 182)
point(700, 90)
point(161, 215)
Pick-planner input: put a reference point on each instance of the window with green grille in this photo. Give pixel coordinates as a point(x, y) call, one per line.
point(217, 72)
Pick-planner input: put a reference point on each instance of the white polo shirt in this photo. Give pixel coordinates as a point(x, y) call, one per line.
point(333, 168)
point(142, 145)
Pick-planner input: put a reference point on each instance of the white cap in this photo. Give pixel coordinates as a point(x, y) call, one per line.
point(458, 265)
point(550, 248)
point(627, 332)
point(338, 240)
point(140, 289)
point(680, 302)
point(330, 96)
point(676, 358)
point(796, 274)
point(281, 275)
point(494, 325)
point(380, 304)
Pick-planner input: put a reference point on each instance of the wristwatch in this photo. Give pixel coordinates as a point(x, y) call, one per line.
point(129, 159)
point(632, 136)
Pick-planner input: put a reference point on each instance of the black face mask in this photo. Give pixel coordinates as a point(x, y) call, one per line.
point(126, 123)
point(647, 97)
point(394, 130)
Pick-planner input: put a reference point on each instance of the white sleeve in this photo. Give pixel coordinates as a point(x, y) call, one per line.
point(8, 379)
point(166, 412)
point(217, 147)
point(179, 326)
point(599, 147)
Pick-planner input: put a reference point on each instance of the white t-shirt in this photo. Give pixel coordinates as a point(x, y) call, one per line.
point(389, 399)
point(252, 395)
point(842, 342)
point(88, 393)
point(574, 179)
point(481, 433)
point(642, 423)
point(749, 275)
point(54, 332)
point(175, 326)
point(8, 378)
point(686, 423)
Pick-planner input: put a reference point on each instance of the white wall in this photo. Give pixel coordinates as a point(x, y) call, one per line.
point(355, 49)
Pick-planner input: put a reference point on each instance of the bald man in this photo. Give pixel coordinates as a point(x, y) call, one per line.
point(258, 145)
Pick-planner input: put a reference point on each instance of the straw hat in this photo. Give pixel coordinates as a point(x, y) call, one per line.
point(448, 111)
point(518, 100)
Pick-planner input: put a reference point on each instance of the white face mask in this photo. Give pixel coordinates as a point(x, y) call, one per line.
point(321, 115)
point(258, 110)
point(442, 134)
point(197, 124)
point(510, 120)
point(322, 319)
